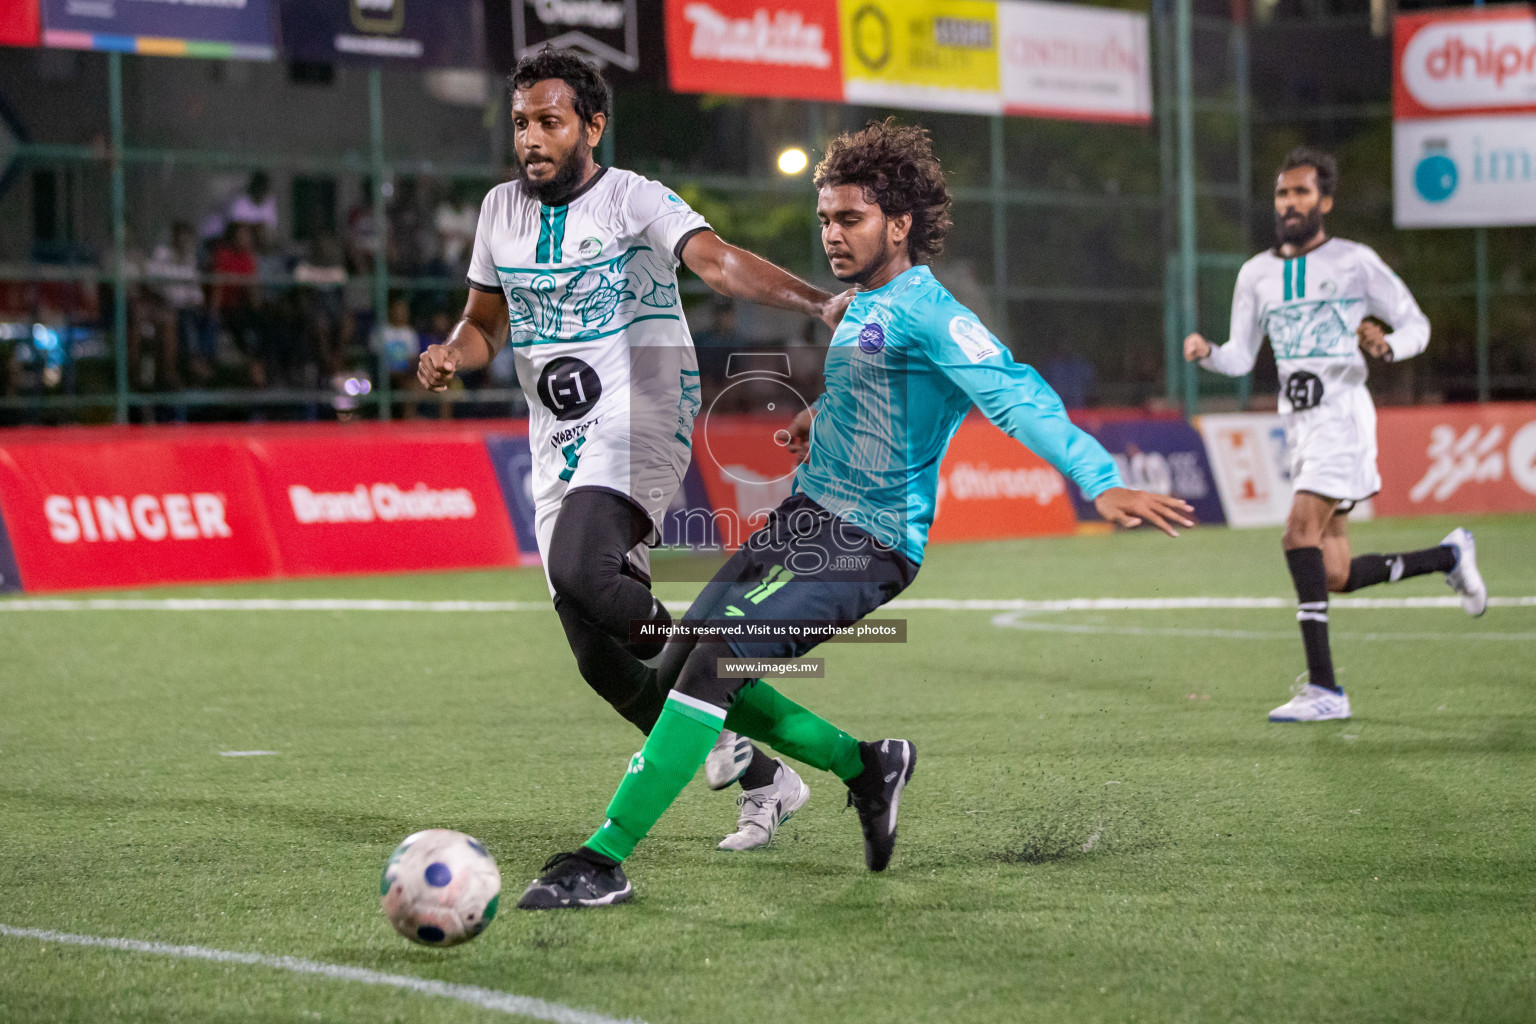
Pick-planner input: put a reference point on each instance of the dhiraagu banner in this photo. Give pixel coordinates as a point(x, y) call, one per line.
point(922, 54)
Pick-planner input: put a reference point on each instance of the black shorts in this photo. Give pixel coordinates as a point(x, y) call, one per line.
point(806, 565)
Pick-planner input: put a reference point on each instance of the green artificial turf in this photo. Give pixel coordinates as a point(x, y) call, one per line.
point(1102, 827)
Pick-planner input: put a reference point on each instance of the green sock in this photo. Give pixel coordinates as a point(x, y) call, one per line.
point(766, 715)
point(677, 745)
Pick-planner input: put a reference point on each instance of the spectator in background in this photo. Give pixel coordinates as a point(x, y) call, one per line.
point(398, 347)
point(715, 344)
point(257, 207)
point(174, 297)
point(234, 302)
point(325, 325)
point(455, 220)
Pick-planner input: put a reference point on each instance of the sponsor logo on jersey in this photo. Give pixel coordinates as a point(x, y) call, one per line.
point(871, 338)
point(382, 502)
point(589, 248)
point(569, 387)
point(1304, 390)
point(974, 340)
point(117, 517)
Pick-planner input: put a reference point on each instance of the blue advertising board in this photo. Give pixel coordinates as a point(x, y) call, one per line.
point(409, 33)
point(513, 463)
point(10, 574)
point(163, 28)
point(1164, 456)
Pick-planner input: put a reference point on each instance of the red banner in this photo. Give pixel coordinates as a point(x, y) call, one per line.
point(1464, 61)
point(1457, 458)
point(20, 23)
point(127, 513)
point(341, 504)
point(787, 48)
point(990, 486)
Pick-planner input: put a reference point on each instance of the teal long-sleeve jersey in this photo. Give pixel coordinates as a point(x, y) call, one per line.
point(904, 367)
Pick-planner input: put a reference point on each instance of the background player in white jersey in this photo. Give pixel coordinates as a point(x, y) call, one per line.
point(575, 267)
point(1311, 296)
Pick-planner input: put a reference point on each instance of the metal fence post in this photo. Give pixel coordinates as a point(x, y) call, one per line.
point(999, 233)
point(1188, 294)
point(119, 237)
point(1480, 244)
point(381, 232)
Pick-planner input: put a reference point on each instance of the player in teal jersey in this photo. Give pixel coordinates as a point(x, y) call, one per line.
point(905, 365)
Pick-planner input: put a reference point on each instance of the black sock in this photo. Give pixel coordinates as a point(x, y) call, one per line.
point(1369, 570)
point(869, 781)
point(1311, 580)
point(760, 772)
point(591, 856)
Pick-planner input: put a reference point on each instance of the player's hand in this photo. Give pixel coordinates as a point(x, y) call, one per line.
point(800, 436)
point(833, 309)
point(1196, 348)
point(1373, 340)
point(1125, 507)
point(435, 367)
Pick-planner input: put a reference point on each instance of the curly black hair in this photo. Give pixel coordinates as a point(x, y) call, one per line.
point(895, 165)
point(593, 96)
point(1324, 164)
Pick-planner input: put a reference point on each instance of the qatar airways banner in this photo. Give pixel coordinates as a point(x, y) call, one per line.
point(383, 504)
point(1464, 108)
point(1458, 459)
point(128, 513)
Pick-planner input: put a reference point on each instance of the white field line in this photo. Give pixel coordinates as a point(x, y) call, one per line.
point(1019, 620)
point(474, 995)
point(1076, 604)
point(247, 753)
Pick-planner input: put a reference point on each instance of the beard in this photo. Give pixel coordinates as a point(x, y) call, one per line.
point(565, 180)
point(1298, 231)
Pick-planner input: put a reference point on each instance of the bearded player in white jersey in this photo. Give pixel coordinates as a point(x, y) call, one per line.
point(575, 267)
point(1312, 296)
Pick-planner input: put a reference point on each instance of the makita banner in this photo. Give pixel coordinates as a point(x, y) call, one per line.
point(788, 48)
point(132, 512)
point(1457, 459)
point(343, 504)
point(1161, 456)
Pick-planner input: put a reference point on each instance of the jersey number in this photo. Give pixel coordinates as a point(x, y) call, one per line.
point(572, 453)
point(1305, 390)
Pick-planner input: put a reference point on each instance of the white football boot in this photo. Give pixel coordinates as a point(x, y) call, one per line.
point(1464, 578)
point(764, 810)
point(1311, 704)
point(727, 760)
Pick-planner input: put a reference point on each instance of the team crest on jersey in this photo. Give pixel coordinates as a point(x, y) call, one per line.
point(974, 340)
point(871, 338)
point(590, 248)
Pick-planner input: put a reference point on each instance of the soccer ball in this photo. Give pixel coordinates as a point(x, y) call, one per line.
point(440, 888)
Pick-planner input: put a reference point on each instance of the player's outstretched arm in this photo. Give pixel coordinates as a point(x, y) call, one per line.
point(1125, 507)
point(1237, 356)
point(474, 341)
point(731, 270)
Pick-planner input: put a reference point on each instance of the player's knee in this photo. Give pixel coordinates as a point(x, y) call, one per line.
point(574, 575)
point(700, 680)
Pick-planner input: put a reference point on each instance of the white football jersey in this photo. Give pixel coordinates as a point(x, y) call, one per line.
point(598, 335)
point(1310, 307)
